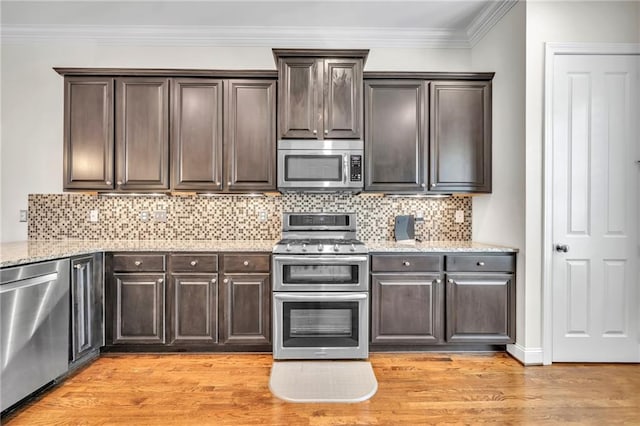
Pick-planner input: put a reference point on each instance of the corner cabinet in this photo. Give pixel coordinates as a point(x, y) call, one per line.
point(425, 134)
point(320, 93)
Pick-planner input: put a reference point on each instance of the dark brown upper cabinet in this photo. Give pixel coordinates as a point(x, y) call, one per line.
point(197, 128)
point(88, 133)
point(395, 150)
point(460, 136)
point(320, 93)
point(142, 133)
point(224, 134)
point(425, 135)
point(250, 135)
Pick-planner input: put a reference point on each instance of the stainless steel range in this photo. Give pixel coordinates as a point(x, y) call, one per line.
point(320, 288)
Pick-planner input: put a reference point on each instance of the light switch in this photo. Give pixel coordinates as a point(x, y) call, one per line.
point(93, 215)
point(23, 215)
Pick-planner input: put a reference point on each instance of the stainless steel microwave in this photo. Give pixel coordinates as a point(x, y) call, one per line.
point(320, 165)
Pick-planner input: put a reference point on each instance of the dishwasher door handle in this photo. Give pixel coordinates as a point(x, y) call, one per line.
point(29, 282)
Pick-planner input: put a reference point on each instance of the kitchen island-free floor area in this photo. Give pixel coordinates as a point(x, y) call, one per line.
point(413, 389)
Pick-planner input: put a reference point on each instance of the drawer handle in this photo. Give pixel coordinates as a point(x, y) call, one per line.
point(194, 262)
point(480, 263)
point(138, 262)
point(406, 263)
point(245, 263)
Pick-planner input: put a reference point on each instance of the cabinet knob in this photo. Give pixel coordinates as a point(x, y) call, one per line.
point(194, 262)
point(77, 266)
point(438, 281)
point(450, 281)
point(480, 263)
point(326, 132)
point(229, 183)
point(315, 132)
point(138, 262)
point(406, 263)
point(213, 281)
point(433, 185)
point(226, 280)
point(108, 182)
point(119, 182)
point(245, 263)
point(423, 185)
point(217, 183)
point(160, 280)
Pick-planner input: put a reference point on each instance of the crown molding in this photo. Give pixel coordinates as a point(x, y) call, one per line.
point(487, 19)
point(291, 37)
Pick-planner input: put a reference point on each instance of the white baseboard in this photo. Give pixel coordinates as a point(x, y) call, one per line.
point(527, 356)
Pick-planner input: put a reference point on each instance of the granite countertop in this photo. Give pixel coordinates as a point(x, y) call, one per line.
point(436, 246)
point(23, 252)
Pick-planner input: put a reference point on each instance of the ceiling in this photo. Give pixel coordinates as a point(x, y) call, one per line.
point(312, 23)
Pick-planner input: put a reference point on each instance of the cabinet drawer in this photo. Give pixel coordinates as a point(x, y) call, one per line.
point(138, 263)
point(479, 263)
point(246, 262)
point(406, 263)
point(194, 262)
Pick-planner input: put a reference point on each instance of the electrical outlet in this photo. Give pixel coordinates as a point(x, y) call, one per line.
point(262, 216)
point(459, 217)
point(144, 216)
point(93, 215)
point(419, 216)
point(23, 215)
point(160, 215)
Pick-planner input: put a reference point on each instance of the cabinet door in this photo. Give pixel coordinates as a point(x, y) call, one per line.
point(139, 308)
point(406, 309)
point(86, 305)
point(480, 308)
point(394, 138)
point(88, 133)
point(142, 133)
point(250, 135)
point(197, 134)
point(246, 309)
point(460, 139)
point(194, 308)
point(342, 98)
point(300, 98)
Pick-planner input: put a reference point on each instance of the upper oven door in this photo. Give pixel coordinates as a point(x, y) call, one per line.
point(320, 273)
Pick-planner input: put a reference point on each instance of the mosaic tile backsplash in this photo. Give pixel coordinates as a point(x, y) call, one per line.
point(233, 217)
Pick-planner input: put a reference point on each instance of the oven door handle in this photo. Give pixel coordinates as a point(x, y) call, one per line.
point(335, 296)
point(337, 260)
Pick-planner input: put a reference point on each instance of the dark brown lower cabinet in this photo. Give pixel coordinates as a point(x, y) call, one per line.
point(480, 308)
point(246, 309)
point(194, 308)
point(406, 309)
point(138, 308)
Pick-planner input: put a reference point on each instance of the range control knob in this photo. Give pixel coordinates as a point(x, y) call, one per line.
point(336, 248)
point(304, 247)
point(288, 247)
point(320, 247)
point(353, 247)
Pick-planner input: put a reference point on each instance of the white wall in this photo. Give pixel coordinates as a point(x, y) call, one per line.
point(499, 217)
point(557, 21)
point(32, 100)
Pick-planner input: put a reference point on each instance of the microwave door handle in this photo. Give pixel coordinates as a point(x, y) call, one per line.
point(345, 168)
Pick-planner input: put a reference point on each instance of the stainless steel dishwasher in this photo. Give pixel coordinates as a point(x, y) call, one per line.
point(34, 327)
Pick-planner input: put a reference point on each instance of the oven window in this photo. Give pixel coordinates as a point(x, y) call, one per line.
point(313, 168)
point(320, 324)
point(320, 274)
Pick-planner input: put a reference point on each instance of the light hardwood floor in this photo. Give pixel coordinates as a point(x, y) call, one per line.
point(414, 389)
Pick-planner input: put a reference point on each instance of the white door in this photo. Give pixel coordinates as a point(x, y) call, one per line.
point(596, 187)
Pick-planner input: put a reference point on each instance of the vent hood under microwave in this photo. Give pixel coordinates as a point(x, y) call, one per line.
point(307, 165)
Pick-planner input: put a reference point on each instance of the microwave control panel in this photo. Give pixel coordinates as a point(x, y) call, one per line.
point(356, 168)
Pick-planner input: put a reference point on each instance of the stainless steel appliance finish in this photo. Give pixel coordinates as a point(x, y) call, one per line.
point(34, 308)
point(320, 165)
point(327, 325)
point(320, 288)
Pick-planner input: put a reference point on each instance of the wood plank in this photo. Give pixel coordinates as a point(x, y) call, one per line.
point(418, 388)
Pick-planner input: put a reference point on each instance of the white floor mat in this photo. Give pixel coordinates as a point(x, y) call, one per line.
point(323, 381)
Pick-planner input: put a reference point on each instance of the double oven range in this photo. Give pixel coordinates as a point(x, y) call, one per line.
point(320, 288)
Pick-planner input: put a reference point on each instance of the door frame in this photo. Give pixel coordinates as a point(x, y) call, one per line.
point(551, 51)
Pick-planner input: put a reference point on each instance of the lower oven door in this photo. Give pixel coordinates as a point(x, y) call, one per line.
point(320, 325)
